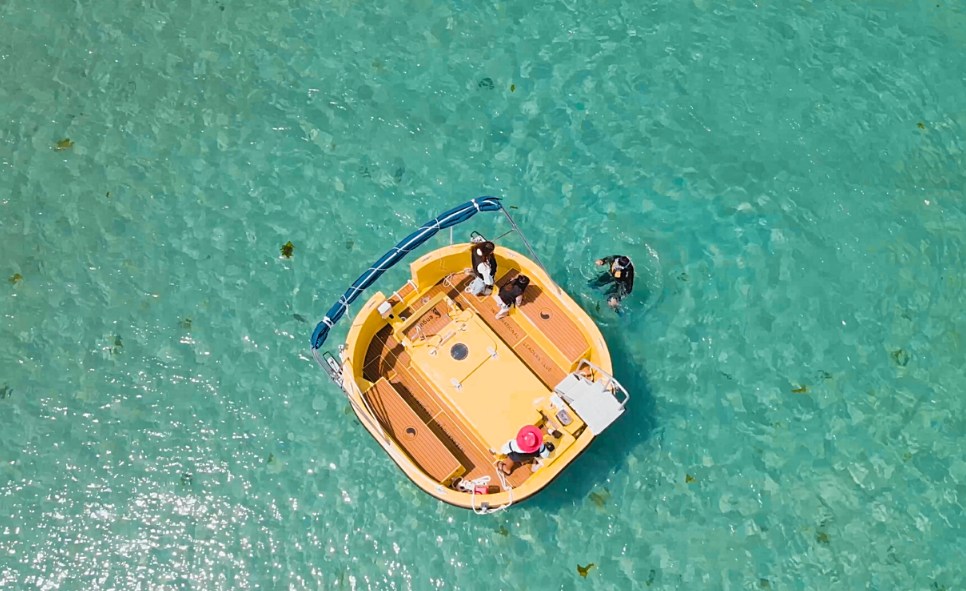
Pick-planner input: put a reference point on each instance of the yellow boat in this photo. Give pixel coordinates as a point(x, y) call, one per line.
point(443, 385)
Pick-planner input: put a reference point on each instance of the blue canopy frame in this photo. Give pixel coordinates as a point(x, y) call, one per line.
point(448, 219)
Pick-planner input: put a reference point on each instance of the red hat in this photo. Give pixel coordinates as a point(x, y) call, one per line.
point(529, 439)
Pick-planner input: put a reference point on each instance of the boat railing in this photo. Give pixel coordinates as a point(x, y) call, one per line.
point(610, 383)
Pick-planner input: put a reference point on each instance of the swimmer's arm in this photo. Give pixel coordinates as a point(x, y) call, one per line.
point(605, 260)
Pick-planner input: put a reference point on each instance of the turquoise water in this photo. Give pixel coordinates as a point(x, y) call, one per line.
point(788, 176)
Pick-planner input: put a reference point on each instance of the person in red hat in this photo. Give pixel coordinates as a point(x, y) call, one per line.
point(527, 446)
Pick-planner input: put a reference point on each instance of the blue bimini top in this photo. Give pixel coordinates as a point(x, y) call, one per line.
point(397, 253)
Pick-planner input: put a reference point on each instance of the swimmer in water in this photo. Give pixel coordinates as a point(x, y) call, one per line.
point(618, 279)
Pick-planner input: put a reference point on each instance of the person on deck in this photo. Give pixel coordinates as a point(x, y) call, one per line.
point(527, 446)
point(484, 268)
point(511, 294)
point(619, 278)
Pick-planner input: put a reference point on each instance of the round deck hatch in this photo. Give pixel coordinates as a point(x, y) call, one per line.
point(459, 351)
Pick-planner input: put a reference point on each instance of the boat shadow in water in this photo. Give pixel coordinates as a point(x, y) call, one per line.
point(608, 454)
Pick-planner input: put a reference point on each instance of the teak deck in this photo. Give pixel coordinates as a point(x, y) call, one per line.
point(414, 416)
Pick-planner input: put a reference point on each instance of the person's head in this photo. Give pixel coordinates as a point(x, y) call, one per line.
point(485, 249)
point(522, 281)
point(619, 265)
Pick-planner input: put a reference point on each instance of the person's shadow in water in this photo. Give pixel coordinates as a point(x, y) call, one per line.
point(609, 451)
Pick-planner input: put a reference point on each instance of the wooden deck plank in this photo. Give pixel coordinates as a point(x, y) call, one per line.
point(480, 462)
point(412, 433)
point(539, 362)
point(403, 291)
point(430, 294)
point(465, 445)
point(546, 315)
point(431, 322)
point(404, 381)
point(381, 355)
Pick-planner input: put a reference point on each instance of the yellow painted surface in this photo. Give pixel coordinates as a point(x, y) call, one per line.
point(491, 389)
point(561, 446)
point(550, 412)
point(365, 324)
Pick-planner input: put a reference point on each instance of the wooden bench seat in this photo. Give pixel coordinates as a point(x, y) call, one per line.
point(546, 315)
point(412, 433)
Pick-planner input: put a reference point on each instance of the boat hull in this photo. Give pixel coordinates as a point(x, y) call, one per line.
point(443, 432)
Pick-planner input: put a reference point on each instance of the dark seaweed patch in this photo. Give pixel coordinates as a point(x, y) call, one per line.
point(601, 497)
point(900, 357)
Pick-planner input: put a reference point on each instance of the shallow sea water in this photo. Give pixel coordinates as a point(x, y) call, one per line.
point(789, 178)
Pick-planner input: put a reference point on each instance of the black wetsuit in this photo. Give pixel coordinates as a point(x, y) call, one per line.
point(509, 293)
point(617, 287)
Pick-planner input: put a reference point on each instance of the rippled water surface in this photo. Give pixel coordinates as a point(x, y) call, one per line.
point(788, 176)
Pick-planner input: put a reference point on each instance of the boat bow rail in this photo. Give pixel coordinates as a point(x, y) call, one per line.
point(448, 219)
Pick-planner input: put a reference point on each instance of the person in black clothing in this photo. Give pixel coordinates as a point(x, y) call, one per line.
point(511, 294)
point(484, 268)
point(619, 278)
